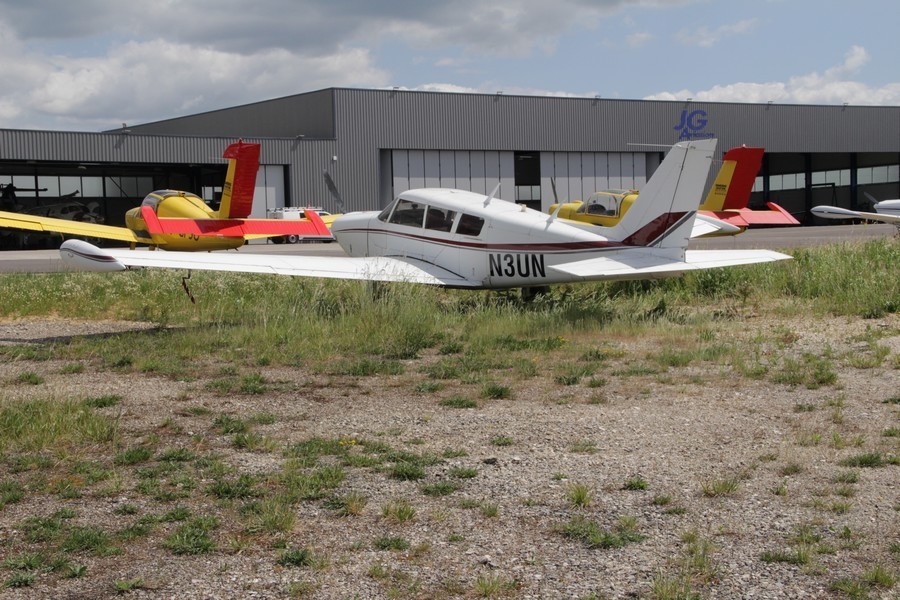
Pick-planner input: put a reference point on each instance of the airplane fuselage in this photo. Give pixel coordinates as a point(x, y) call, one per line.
point(179, 205)
point(500, 244)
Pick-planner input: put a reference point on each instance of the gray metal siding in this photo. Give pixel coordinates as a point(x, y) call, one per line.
point(310, 115)
point(356, 126)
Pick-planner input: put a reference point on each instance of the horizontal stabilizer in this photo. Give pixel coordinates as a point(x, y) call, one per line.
point(312, 226)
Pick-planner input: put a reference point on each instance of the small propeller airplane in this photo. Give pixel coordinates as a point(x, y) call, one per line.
point(886, 211)
point(461, 239)
point(723, 212)
point(176, 220)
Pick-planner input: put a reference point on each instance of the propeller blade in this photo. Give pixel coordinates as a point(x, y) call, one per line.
point(332, 188)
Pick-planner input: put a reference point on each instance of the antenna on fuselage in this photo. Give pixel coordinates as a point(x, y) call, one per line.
point(488, 199)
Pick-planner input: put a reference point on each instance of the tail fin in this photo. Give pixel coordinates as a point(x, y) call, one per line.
point(240, 182)
point(663, 214)
point(733, 184)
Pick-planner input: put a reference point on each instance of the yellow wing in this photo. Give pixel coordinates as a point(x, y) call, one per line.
point(48, 224)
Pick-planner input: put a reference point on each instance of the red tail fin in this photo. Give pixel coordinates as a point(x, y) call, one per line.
point(240, 182)
point(748, 160)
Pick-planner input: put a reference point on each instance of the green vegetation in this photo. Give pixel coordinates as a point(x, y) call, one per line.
point(477, 349)
point(593, 536)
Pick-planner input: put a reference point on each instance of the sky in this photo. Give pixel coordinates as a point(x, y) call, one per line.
point(93, 65)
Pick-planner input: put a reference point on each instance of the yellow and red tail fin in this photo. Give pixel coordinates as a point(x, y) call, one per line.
point(732, 187)
point(240, 182)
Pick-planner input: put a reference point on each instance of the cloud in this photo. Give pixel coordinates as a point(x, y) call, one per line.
point(636, 40)
point(100, 62)
point(834, 86)
point(706, 38)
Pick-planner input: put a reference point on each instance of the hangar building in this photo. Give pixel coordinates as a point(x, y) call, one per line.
point(378, 143)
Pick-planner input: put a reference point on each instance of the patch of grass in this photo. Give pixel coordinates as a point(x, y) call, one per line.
point(429, 387)
point(227, 425)
point(272, 515)
point(579, 495)
point(717, 488)
point(440, 488)
point(491, 585)
point(462, 472)
point(123, 586)
point(791, 468)
point(593, 536)
point(351, 503)
point(869, 460)
point(242, 487)
point(89, 539)
point(496, 391)
point(193, 537)
point(501, 441)
point(104, 401)
point(459, 402)
point(407, 471)
point(29, 378)
point(20, 579)
point(36, 425)
point(391, 543)
point(797, 556)
point(133, 455)
point(635, 484)
point(10, 492)
point(583, 447)
point(399, 511)
point(296, 557)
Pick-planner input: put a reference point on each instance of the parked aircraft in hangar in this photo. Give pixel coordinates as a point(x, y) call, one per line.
point(177, 220)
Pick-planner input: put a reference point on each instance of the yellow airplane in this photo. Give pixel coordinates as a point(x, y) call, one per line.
point(726, 201)
point(176, 220)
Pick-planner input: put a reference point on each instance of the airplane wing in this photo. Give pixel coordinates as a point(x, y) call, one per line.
point(834, 212)
point(85, 256)
point(648, 265)
point(51, 225)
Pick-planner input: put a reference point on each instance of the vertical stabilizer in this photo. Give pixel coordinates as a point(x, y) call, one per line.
point(663, 214)
point(240, 182)
point(732, 187)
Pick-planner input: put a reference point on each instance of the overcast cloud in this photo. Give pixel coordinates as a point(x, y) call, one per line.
point(97, 63)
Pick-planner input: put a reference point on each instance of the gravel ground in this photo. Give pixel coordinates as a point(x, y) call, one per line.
point(680, 431)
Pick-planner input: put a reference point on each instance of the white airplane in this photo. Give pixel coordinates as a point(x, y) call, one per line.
point(461, 239)
point(886, 211)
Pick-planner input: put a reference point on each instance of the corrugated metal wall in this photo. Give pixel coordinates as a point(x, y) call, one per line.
point(350, 133)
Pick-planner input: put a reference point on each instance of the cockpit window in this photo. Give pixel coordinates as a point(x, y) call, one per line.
point(383, 215)
point(469, 225)
point(439, 219)
point(408, 213)
point(606, 204)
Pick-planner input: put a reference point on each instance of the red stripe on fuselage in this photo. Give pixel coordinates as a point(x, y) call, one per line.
point(652, 231)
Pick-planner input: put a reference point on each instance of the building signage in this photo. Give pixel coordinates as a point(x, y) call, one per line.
point(692, 125)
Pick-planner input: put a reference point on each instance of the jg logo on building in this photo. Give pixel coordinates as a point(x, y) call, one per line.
point(692, 125)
